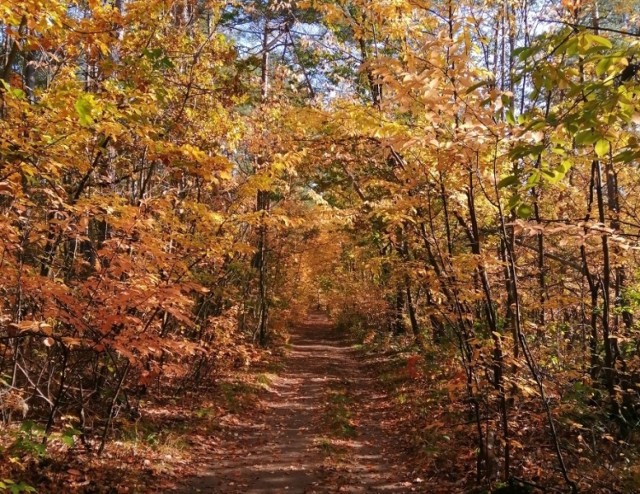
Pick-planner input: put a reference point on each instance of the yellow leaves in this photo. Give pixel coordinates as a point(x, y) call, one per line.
point(602, 148)
point(103, 47)
point(11, 13)
point(194, 160)
point(194, 153)
point(287, 162)
point(216, 217)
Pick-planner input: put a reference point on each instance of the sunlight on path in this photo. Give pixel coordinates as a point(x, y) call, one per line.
point(291, 446)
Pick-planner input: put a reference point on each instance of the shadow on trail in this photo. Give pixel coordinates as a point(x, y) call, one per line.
point(289, 446)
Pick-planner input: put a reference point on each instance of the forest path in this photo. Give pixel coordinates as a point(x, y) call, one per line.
point(325, 427)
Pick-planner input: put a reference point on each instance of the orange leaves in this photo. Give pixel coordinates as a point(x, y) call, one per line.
point(572, 6)
point(14, 329)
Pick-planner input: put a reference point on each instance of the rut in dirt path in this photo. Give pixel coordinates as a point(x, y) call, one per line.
point(323, 429)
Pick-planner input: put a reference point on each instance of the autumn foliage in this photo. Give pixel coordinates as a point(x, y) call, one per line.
point(181, 179)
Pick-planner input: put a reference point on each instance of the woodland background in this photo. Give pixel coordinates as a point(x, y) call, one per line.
point(181, 179)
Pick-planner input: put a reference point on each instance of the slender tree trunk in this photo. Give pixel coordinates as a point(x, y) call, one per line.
point(262, 206)
point(609, 358)
point(498, 354)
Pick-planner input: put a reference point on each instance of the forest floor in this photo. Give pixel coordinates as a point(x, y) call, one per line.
point(319, 413)
point(323, 424)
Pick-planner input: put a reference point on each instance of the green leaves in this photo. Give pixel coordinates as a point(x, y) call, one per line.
point(158, 58)
point(524, 211)
point(477, 86)
point(84, 106)
point(586, 137)
point(603, 66)
point(13, 91)
point(15, 487)
point(528, 51)
point(585, 42)
point(597, 40)
point(602, 146)
point(68, 436)
point(507, 181)
point(554, 176)
point(626, 156)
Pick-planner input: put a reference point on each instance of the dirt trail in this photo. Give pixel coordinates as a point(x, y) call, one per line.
point(293, 446)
